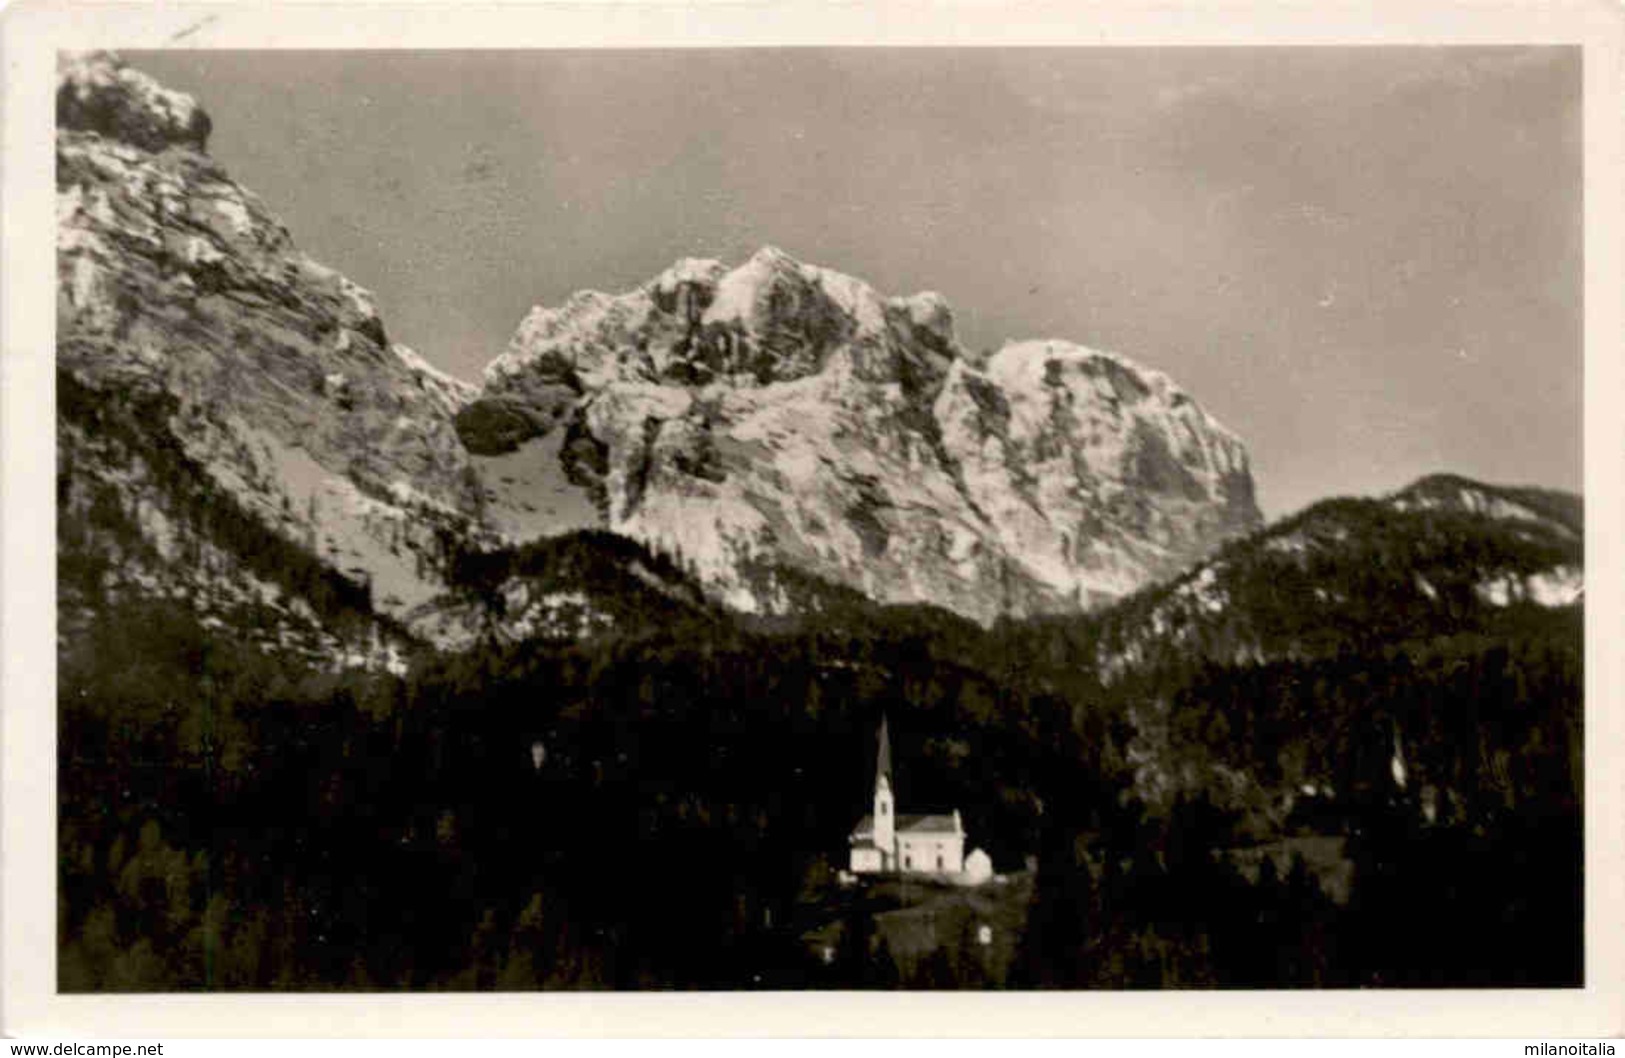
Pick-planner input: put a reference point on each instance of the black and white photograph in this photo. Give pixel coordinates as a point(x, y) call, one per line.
point(823, 518)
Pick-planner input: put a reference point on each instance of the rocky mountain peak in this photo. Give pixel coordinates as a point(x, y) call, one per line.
point(97, 92)
point(179, 287)
point(764, 416)
point(1140, 421)
point(770, 319)
point(783, 413)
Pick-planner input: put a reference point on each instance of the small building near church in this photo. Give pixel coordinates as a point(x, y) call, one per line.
point(978, 867)
point(888, 841)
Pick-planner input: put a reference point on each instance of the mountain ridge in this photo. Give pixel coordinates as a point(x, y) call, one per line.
point(750, 421)
point(1356, 572)
point(783, 407)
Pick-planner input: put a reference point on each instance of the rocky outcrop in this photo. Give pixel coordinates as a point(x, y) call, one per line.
point(176, 281)
point(97, 93)
point(781, 413)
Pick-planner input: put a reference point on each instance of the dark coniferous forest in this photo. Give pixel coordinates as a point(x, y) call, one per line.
point(1221, 812)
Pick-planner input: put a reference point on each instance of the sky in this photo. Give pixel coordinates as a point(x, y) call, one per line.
point(1365, 261)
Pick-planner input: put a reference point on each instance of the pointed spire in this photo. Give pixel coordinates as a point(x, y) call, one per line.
point(883, 762)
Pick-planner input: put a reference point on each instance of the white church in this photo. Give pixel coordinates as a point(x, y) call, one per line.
point(885, 842)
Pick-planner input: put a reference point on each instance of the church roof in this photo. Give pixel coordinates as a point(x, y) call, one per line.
point(907, 824)
point(934, 824)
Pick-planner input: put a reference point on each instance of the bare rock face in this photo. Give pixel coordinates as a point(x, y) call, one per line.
point(745, 420)
point(173, 280)
point(782, 413)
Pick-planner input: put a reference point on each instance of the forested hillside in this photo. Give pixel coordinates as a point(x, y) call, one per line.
point(139, 518)
point(1195, 821)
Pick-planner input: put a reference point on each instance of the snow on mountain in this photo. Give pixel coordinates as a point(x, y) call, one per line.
point(783, 413)
point(746, 419)
point(450, 395)
point(178, 286)
point(1559, 586)
point(1435, 555)
point(1546, 509)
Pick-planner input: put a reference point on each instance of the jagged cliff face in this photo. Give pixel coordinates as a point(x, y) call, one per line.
point(747, 420)
point(178, 286)
point(778, 412)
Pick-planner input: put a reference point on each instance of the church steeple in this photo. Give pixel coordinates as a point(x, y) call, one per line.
point(883, 762)
point(885, 804)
